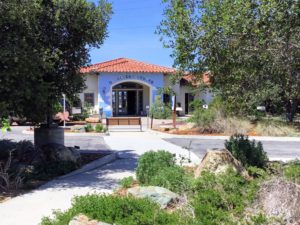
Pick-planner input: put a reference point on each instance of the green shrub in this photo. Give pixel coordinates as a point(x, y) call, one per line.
point(172, 178)
point(292, 171)
point(256, 172)
point(203, 118)
point(159, 110)
point(216, 198)
point(89, 127)
point(25, 151)
point(115, 210)
point(248, 152)
point(22, 151)
point(99, 128)
point(79, 117)
point(196, 104)
point(150, 163)
point(127, 182)
point(160, 169)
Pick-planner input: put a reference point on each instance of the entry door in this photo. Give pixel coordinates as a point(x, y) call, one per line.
point(131, 102)
point(122, 103)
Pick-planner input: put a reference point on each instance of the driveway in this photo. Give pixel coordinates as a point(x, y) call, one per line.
point(276, 149)
point(84, 142)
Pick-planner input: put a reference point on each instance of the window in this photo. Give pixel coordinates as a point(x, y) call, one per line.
point(166, 99)
point(89, 99)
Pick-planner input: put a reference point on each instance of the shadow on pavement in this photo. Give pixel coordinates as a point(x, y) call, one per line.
point(105, 177)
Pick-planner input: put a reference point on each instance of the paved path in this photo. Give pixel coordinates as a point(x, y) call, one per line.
point(29, 208)
point(140, 142)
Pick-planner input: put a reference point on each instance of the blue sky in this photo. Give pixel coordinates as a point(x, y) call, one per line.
point(131, 33)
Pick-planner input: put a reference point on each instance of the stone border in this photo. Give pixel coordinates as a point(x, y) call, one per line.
point(92, 165)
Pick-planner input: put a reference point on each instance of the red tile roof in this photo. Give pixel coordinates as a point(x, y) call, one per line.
point(124, 65)
point(193, 80)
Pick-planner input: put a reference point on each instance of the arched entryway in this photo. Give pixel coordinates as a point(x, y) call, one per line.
point(130, 98)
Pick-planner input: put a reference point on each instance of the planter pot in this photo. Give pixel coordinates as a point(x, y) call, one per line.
point(47, 135)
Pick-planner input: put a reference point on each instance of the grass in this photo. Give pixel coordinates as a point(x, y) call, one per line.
point(273, 127)
point(292, 171)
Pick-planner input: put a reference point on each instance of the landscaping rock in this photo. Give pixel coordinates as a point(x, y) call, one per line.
point(56, 153)
point(218, 161)
point(280, 198)
point(84, 220)
point(160, 195)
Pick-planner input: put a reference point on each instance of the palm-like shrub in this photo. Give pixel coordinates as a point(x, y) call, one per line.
point(250, 153)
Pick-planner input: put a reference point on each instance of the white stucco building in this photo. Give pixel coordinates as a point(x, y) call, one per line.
point(126, 87)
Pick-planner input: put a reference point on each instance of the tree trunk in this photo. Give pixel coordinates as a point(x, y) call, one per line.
point(291, 109)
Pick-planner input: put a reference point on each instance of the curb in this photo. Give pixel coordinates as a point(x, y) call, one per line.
point(92, 165)
point(207, 137)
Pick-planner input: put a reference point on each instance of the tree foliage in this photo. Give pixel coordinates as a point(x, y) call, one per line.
point(44, 43)
point(252, 48)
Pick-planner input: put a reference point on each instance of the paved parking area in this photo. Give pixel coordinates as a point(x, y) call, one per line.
point(84, 142)
point(276, 149)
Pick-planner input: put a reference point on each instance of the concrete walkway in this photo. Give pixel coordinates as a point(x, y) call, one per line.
point(141, 142)
point(28, 209)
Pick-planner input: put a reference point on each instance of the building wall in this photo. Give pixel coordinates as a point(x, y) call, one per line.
point(146, 97)
point(101, 85)
point(107, 80)
point(206, 96)
point(91, 83)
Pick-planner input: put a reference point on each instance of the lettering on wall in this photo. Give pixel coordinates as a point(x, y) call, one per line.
point(134, 77)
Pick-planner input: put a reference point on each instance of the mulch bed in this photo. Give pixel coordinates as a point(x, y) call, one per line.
point(196, 132)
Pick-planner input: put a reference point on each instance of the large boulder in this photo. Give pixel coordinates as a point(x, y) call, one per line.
point(280, 198)
point(218, 161)
point(56, 153)
point(160, 195)
point(84, 220)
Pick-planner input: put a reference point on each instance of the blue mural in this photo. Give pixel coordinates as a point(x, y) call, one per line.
point(108, 80)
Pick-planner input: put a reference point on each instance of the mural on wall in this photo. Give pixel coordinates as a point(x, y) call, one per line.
point(108, 80)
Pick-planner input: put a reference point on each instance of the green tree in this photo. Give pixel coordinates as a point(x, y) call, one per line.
point(251, 48)
point(44, 43)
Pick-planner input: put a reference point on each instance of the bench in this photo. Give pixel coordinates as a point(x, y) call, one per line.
point(124, 121)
